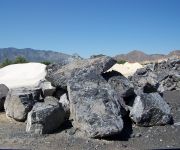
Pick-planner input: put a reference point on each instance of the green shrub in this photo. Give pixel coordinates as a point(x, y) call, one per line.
point(6, 62)
point(20, 60)
point(46, 62)
point(121, 61)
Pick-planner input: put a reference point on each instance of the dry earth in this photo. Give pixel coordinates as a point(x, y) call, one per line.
point(13, 135)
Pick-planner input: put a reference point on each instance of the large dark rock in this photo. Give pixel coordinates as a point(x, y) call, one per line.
point(150, 110)
point(45, 117)
point(94, 105)
point(145, 81)
point(119, 83)
point(20, 101)
point(122, 86)
point(3, 93)
point(60, 74)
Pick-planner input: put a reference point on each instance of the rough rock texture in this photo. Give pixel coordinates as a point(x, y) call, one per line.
point(20, 101)
point(122, 86)
point(59, 75)
point(95, 107)
point(3, 93)
point(64, 101)
point(150, 109)
point(47, 88)
point(45, 117)
point(158, 77)
point(172, 82)
point(119, 83)
point(145, 81)
point(59, 92)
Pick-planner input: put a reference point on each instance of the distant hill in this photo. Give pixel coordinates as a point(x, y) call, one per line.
point(33, 55)
point(139, 56)
point(174, 53)
point(52, 56)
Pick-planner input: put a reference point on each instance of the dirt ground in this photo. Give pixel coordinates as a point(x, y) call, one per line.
point(13, 135)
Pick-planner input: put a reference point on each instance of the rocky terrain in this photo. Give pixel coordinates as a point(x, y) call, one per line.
point(89, 108)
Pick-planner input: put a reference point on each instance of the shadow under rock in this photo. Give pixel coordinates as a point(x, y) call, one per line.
point(125, 134)
point(66, 125)
point(110, 74)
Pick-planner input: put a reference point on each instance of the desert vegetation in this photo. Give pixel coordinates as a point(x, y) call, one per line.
point(18, 60)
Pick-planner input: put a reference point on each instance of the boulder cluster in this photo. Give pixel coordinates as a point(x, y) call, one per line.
point(94, 100)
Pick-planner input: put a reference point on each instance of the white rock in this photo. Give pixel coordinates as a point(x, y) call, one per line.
point(22, 75)
point(65, 104)
point(127, 69)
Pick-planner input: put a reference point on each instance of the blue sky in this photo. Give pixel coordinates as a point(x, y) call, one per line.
point(91, 27)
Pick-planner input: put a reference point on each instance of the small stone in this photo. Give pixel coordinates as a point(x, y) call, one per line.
point(138, 135)
point(87, 141)
point(72, 131)
point(172, 126)
point(177, 124)
point(123, 145)
point(96, 147)
point(132, 135)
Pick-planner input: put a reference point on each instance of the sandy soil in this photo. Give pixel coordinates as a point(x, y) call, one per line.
point(13, 135)
point(22, 75)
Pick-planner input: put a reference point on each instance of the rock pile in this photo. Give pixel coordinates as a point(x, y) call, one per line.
point(158, 77)
point(94, 100)
point(20, 101)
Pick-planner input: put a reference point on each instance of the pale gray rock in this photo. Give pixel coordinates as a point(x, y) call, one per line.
point(94, 105)
point(150, 110)
point(3, 93)
point(47, 88)
point(45, 117)
point(20, 101)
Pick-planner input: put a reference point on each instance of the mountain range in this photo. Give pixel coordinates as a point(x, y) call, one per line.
point(52, 56)
point(33, 55)
point(139, 56)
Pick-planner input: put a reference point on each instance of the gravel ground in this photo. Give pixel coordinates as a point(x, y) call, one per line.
point(13, 135)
